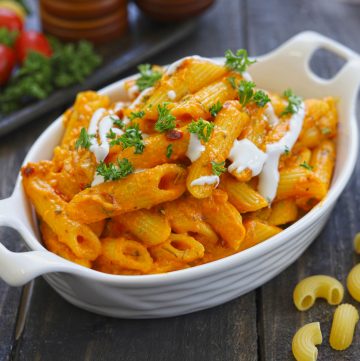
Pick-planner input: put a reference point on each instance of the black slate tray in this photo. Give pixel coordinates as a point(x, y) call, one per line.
point(144, 39)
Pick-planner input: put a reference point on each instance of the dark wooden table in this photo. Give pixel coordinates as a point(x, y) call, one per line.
point(257, 326)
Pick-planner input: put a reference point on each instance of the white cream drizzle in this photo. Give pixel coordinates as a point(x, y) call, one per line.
point(171, 69)
point(195, 148)
point(270, 114)
point(171, 94)
point(245, 154)
point(133, 90)
point(246, 76)
point(269, 177)
point(207, 179)
point(100, 126)
point(140, 97)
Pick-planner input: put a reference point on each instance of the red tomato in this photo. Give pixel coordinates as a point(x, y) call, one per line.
point(7, 63)
point(31, 41)
point(10, 20)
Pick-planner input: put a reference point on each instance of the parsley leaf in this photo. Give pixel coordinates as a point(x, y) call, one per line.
point(202, 129)
point(260, 98)
point(166, 121)
point(215, 108)
point(238, 61)
point(306, 165)
point(148, 77)
point(169, 150)
point(111, 134)
point(232, 82)
point(326, 131)
point(117, 121)
point(135, 115)
point(287, 150)
point(84, 139)
point(218, 167)
point(8, 37)
point(131, 138)
point(112, 172)
point(294, 102)
point(246, 92)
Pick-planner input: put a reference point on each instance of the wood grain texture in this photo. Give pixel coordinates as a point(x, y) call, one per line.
point(331, 253)
point(258, 326)
point(57, 330)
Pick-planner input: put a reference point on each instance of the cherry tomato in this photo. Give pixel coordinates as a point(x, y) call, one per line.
point(7, 63)
point(10, 20)
point(31, 41)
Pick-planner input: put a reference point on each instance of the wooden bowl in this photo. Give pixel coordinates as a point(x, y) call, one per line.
point(81, 9)
point(173, 10)
point(93, 20)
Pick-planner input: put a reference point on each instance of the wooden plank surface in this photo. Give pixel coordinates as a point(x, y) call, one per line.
point(332, 252)
point(258, 326)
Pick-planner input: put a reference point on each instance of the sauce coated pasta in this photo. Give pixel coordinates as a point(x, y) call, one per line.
point(195, 165)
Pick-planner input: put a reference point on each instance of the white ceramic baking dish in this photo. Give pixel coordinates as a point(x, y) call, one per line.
point(211, 284)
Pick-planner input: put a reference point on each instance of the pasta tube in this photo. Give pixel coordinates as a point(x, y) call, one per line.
point(343, 326)
point(228, 125)
point(304, 341)
point(139, 190)
point(242, 195)
point(224, 218)
point(353, 282)
point(319, 286)
point(52, 209)
point(179, 247)
point(148, 226)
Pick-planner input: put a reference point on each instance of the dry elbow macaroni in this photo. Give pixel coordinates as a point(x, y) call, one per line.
point(179, 175)
point(304, 341)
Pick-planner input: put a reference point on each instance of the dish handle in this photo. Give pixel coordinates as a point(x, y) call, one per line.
point(18, 268)
point(304, 45)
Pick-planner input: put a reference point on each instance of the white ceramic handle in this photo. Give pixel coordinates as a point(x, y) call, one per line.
point(19, 268)
point(305, 44)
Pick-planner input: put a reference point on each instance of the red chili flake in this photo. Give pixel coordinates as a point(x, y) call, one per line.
point(174, 134)
point(28, 171)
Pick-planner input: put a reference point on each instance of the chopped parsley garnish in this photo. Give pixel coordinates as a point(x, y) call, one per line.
point(246, 92)
point(131, 138)
point(111, 134)
point(166, 121)
point(232, 82)
point(260, 98)
point(287, 150)
point(202, 129)
point(169, 150)
point(238, 61)
point(326, 131)
point(294, 103)
point(306, 165)
point(148, 77)
point(218, 167)
point(215, 108)
point(84, 139)
point(135, 115)
point(112, 172)
point(118, 122)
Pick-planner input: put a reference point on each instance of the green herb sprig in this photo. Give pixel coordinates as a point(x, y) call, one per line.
point(294, 102)
point(239, 61)
point(306, 165)
point(113, 172)
point(148, 77)
point(201, 128)
point(215, 108)
point(166, 121)
point(218, 168)
point(169, 151)
point(131, 138)
point(84, 140)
